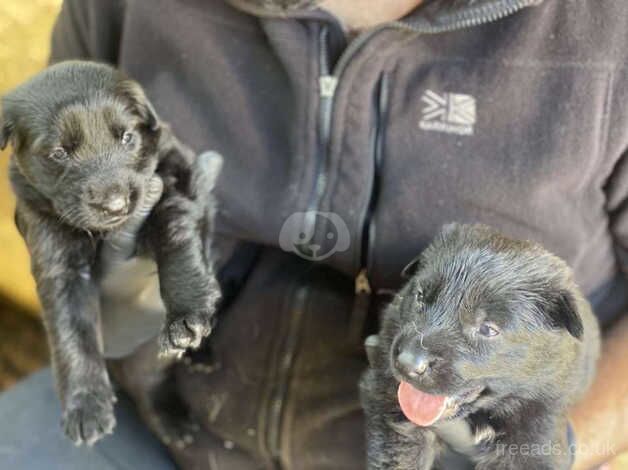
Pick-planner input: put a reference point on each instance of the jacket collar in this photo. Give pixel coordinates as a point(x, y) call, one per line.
point(435, 16)
point(432, 16)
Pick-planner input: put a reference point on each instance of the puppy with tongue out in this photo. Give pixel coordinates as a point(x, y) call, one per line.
point(479, 357)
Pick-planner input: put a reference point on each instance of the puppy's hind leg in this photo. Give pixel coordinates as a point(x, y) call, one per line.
point(150, 382)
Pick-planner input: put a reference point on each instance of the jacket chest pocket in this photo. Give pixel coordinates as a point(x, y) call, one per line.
point(518, 145)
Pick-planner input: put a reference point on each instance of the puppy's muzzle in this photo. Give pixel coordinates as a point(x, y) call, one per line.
point(115, 204)
point(412, 359)
point(112, 203)
point(413, 364)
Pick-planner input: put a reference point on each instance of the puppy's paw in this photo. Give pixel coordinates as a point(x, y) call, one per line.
point(176, 431)
point(89, 416)
point(184, 332)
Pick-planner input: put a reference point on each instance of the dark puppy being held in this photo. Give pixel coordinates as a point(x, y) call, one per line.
point(482, 352)
point(89, 149)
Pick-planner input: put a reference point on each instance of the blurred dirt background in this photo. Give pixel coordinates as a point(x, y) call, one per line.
point(25, 27)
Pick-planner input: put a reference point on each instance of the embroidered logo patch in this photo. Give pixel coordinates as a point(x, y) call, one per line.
point(453, 113)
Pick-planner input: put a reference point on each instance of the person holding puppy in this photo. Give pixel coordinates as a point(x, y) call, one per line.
point(376, 123)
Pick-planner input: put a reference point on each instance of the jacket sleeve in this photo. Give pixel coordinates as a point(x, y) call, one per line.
point(88, 29)
point(616, 187)
point(617, 206)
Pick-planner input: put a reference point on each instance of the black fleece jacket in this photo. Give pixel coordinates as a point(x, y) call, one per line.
point(510, 113)
point(493, 111)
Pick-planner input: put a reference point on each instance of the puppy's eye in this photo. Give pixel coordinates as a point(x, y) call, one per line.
point(488, 330)
point(58, 154)
point(127, 138)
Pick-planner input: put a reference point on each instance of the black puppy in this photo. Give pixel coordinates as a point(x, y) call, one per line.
point(482, 352)
point(87, 148)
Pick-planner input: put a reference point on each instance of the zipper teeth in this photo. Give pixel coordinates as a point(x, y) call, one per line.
point(326, 104)
point(324, 125)
point(366, 223)
point(466, 19)
point(379, 161)
point(474, 17)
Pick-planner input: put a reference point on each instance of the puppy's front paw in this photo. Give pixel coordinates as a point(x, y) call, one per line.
point(89, 416)
point(184, 332)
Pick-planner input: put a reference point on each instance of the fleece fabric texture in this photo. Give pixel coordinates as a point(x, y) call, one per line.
point(504, 112)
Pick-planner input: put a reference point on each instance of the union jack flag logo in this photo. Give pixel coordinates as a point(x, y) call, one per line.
point(452, 108)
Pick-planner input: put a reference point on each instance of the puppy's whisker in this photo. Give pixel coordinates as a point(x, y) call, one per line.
point(420, 334)
point(64, 216)
point(421, 343)
point(70, 216)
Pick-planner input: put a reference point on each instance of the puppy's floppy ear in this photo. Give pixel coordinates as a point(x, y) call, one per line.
point(411, 268)
point(133, 93)
point(561, 312)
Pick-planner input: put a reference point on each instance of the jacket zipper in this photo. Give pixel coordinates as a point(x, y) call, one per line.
point(362, 300)
point(329, 81)
point(327, 90)
point(287, 351)
point(328, 84)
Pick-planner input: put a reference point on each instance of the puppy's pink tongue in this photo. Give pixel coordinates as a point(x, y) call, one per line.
point(420, 408)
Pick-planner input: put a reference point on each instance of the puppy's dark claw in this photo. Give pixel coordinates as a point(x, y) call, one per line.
point(89, 416)
point(183, 333)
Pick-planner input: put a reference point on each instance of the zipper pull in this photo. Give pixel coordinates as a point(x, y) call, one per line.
point(362, 284)
point(361, 305)
point(327, 86)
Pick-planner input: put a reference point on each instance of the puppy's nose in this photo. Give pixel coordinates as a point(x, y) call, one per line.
point(413, 364)
point(115, 204)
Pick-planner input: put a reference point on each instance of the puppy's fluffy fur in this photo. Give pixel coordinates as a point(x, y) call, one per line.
point(87, 145)
point(507, 337)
